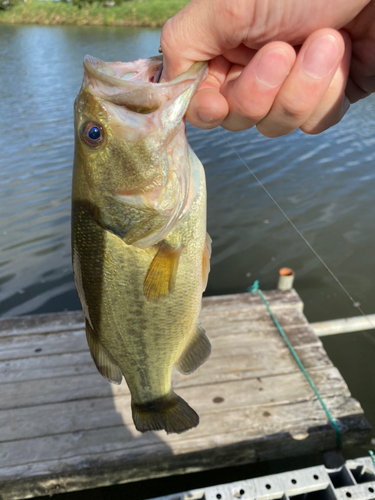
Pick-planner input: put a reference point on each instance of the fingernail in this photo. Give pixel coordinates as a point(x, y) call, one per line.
point(320, 57)
point(272, 68)
point(205, 115)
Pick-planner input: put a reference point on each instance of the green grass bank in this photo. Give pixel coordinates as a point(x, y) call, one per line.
point(152, 13)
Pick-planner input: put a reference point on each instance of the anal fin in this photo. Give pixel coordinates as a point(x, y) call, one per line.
point(104, 362)
point(196, 352)
point(161, 275)
point(206, 261)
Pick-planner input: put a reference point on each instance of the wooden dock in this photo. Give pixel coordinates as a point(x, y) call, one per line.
point(64, 428)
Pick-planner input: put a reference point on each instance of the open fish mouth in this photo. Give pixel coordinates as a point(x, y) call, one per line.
point(133, 84)
point(133, 74)
point(125, 84)
point(124, 74)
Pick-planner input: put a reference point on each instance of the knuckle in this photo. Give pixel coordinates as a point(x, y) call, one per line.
point(231, 127)
point(312, 127)
point(271, 133)
point(172, 38)
point(251, 111)
point(315, 127)
point(234, 12)
point(325, 117)
point(167, 37)
point(233, 124)
point(295, 111)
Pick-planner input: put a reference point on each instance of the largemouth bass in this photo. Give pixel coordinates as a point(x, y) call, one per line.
point(139, 244)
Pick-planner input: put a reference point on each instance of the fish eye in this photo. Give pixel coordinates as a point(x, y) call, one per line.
point(93, 134)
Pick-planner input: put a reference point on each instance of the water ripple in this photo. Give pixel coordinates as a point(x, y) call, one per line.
point(325, 183)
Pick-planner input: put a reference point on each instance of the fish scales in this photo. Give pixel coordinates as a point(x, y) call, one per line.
point(139, 243)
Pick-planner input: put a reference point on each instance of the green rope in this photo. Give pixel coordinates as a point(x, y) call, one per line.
point(255, 289)
point(371, 453)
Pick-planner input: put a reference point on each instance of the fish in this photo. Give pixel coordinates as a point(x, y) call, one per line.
point(140, 250)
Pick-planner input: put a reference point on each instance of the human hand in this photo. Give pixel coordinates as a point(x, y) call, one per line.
point(297, 81)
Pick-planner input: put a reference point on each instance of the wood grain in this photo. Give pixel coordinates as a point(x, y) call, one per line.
point(64, 428)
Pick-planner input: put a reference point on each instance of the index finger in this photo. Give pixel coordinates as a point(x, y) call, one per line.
point(195, 33)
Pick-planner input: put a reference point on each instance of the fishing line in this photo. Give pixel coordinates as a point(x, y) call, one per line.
point(255, 289)
point(355, 304)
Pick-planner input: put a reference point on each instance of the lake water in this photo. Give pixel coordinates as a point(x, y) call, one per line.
point(324, 183)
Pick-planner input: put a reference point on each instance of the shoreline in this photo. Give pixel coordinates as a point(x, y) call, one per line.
point(132, 13)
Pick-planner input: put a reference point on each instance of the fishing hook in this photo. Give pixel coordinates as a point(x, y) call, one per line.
point(157, 79)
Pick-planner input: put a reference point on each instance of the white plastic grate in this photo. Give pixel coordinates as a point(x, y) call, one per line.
point(355, 480)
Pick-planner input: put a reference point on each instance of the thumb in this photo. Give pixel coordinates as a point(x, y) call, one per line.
point(188, 37)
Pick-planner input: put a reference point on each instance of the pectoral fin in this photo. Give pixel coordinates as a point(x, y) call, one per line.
point(161, 275)
point(206, 261)
point(104, 362)
point(196, 352)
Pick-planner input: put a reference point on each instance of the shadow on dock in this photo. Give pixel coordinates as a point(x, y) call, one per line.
point(64, 428)
point(58, 416)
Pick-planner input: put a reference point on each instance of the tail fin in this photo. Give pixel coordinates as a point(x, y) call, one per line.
point(170, 412)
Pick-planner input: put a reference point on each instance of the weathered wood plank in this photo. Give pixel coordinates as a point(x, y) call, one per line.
point(231, 455)
point(235, 424)
point(257, 326)
point(111, 456)
point(291, 387)
point(242, 364)
point(236, 354)
point(41, 323)
point(243, 301)
point(63, 427)
point(107, 411)
point(24, 346)
point(40, 367)
point(248, 364)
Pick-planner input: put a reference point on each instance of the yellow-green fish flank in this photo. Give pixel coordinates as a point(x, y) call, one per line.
point(139, 243)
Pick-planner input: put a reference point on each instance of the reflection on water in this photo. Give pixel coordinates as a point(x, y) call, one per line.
point(324, 183)
point(41, 75)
